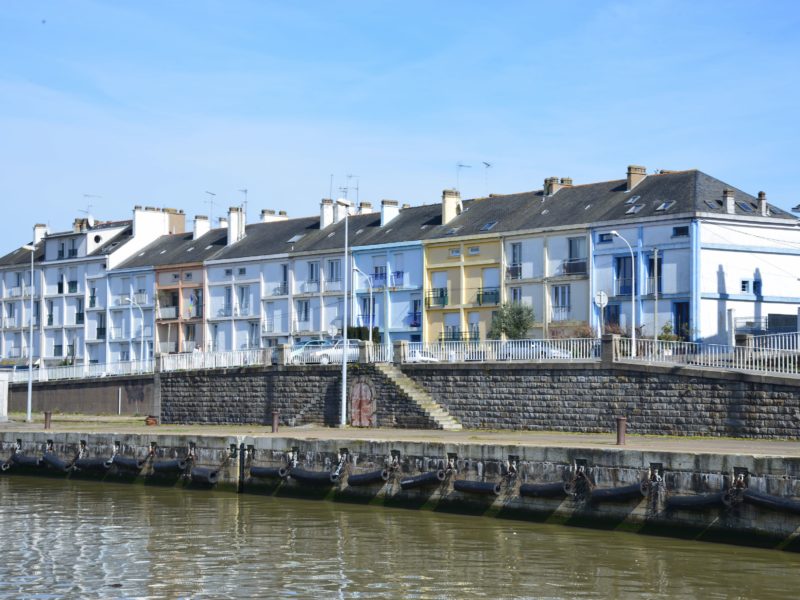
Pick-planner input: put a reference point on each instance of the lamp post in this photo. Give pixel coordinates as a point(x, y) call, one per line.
point(32, 249)
point(345, 348)
point(369, 284)
point(132, 302)
point(633, 293)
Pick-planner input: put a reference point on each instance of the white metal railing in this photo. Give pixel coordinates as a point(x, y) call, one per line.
point(333, 285)
point(187, 361)
point(784, 361)
point(505, 350)
point(777, 341)
point(381, 353)
point(168, 312)
point(119, 333)
point(166, 347)
point(85, 371)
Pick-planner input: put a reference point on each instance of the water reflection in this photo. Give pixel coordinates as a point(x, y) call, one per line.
point(89, 540)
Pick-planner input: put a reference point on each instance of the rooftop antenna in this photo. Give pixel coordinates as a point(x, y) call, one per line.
point(460, 166)
point(89, 205)
point(244, 191)
point(330, 188)
point(486, 167)
point(210, 202)
point(344, 190)
point(349, 177)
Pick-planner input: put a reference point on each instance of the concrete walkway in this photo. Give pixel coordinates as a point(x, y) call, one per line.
point(114, 424)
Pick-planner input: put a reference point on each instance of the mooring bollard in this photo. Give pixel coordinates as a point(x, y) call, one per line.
point(622, 424)
point(275, 417)
point(47, 418)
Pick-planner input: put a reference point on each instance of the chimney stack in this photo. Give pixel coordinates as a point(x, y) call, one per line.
point(566, 182)
point(365, 208)
point(763, 207)
point(553, 184)
point(389, 210)
point(636, 174)
point(236, 224)
point(223, 222)
point(325, 212)
point(728, 201)
point(451, 205)
point(268, 216)
point(176, 220)
point(201, 226)
point(340, 210)
point(39, 231)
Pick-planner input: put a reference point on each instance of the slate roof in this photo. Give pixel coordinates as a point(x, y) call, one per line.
point(178, 249)
point(22, 257)
point(590, 204)
point(265, 239)
point(114, 243)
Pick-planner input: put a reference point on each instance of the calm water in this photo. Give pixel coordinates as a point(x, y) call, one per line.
point(89, 540)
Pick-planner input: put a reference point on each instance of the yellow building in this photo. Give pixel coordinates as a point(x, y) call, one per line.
point(462, 261)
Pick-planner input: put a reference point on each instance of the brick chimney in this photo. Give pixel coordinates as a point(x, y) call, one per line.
point(553, 184)
point(636, 175)
point(389, 210)
point(201, 226)
point(763, 207)
point(236, 224)
point(728, 201)
point(325, 212)
point(451, 205)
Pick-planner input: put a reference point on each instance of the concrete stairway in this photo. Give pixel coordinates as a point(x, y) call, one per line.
point(420, 397)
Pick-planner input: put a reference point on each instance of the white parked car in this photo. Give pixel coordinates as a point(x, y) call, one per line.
point(420, 356)
point(333, 354)
point(307, 352)
point(532, 350)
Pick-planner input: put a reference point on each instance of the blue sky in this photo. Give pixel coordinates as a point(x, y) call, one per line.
point(156, 102)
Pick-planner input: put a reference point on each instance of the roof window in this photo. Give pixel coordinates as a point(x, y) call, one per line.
point(632, 199)
point(634, 209)
point(666, 205)
point(488, 226)
point(711, 204)
point(745, 206)
point(190, 249)
point(295, 238)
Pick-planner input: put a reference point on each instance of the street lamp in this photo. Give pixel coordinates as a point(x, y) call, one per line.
point(369, 284)
point(32, 249)
point(132, 302)
point(345, 348)
point(633, 293)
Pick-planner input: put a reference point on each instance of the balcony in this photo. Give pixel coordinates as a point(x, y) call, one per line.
point(60, 287)
point(650, 284)
point(436, 298)
point(58, 350)
point(273, 325)
point(455, 334)
point(398, 279)
point(363, 320)
point(79, 318)
point(168, 347)
point(225, 311)
point(378, 279)
point(14, 353)
point(60, 254)
point(414, 319)
point(92, 301)
point(168, 312)
point(302, 326)
point(73, 252)
point(10, 323)
point(141, 298)
point(309, 287)
point(514, 272)
point(100, 333)
point(14, 292)
point(561, 313)
point(119, 333)
point(574, 266)
point(282, 289)
point(193, 312)
point(49, 320)
point(488, 296)
point(72, 287)
point(333, 285)
point(623, 286)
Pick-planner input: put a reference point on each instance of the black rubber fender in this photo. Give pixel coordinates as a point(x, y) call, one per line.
point(555, 489)
point(368, 478)
point(695, 502)
point(314, 477)
point(423, 480)
point(617, 494)
point(97, 465)
point(269, 472)
point(165, 467)
point(20, 460)
point(205, 475)
point(481, 488)
point(52, 461)
point(771, 502)
point(126, 463)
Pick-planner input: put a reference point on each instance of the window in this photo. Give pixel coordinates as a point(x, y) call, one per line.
point(611, 314)
point(226, 309)
point(516, 295)
point(632, 199)
point(73, 250)
point(244, 299)
point(228, 272)
point(303, 311)
point(682, 231)
point(745, 286)
point(604, 238)
point(253, 335)
point(366, 311)
point(745, 206)
point(516, 253)
point(295, 238)
point(624, 275)
point(488, 226)
point(455, 252)
point(176, 276)
point(634, 209)
point(576, 264)
point(313, 272)
point(757, 287)
point(187, 276)
point(712, 204)
point(474, 250)
point(560, 298)
point(653, 278)
point(242, 271)
point(665, 205)
point(61, 250)
point(335, 270)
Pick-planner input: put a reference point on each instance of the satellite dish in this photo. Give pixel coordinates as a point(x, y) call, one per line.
point(601, 299)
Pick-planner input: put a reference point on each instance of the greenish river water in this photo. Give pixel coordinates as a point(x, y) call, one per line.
point(90, 540)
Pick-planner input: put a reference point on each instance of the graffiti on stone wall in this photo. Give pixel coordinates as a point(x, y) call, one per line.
point(362, 403)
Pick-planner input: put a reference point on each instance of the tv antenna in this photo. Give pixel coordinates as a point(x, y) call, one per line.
point(460, 166)
point(89, 205)
point(349, 177)
point(486, 167)
point(244, 191)
point(210, 202)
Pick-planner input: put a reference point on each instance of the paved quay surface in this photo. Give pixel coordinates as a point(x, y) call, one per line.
point(695, 445)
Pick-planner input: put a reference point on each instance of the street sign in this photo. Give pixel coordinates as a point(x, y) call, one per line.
point(601, 299)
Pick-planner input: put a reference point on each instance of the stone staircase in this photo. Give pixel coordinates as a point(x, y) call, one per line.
point(420, 397)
